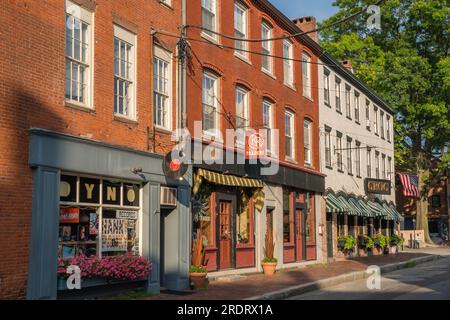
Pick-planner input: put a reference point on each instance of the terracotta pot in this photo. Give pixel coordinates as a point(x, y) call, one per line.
point(269, 268)
point(376, 251)
point(362, 252)
point(198, 280)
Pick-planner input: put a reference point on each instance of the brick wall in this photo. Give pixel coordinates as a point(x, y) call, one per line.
point(32, 87)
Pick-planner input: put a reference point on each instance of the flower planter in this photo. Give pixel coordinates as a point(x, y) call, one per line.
point(93, 282)
point(377, 251)
point(362, 252)
point(269, 268)
point(198, 280)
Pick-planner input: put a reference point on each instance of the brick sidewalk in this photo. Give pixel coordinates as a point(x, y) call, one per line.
point(254, 285)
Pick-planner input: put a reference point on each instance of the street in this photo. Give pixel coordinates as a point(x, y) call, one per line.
point(429, 281)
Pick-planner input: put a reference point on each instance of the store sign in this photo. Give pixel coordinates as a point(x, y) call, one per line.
point(130, 195)
point(111, 192)
point(69, 215)
point(89, 190)
point(377, 186)
point(255, 146)
point(68, 189)
point(125, 214)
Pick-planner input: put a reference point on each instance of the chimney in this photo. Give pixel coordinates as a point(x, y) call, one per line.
point(348, 65)
point(307, 24)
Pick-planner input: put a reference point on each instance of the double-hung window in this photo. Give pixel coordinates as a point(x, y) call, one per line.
point(375, 120)
point(368, 115)
point(289, 132)
point(124, 73)
point(389, 168)
point(162, 88)
point(240, 28)
point(268, 123)
point(209, 18)
point(349, 156)
point(306, 74)
point(307, 141)
point(383, 163)
point(348, 109)
point(79, 25)
point(357, 110)
point(328, 147)
point(382, 124)
point(377, 165)
point(358, 158)
point(266, 33)
point(288, 65)
point(369, 163)
point(338, 94)
point(210, 103)
point(339, 151)
point(242, 114)
point(326, 86)
point(388, 128)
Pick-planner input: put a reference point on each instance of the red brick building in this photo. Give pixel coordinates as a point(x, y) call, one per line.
point(240, 85)
point(81, 74)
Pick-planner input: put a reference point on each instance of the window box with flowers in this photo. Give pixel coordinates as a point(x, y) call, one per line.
point(103, 271)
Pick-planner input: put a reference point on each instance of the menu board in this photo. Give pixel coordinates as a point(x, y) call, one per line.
point(114, 235)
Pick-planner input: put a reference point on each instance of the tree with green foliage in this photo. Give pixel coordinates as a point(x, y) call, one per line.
point(407, 62)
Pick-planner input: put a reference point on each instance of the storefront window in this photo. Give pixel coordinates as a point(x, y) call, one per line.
point(98, 217)
point(243, 219)
point(341, 224)
point(201, 211)
point(351, 225)
point(287, 221)
point(310, 221)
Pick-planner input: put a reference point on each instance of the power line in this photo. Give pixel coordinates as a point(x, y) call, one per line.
point(290, 36)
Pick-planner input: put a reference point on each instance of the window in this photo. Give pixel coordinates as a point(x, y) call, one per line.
point(339, 151)
point(368, 115)
point(388, 128)
point(357, 107)
point(349, 156)
point(382, 124)
point(307, 141)
point(288, 221)
point(348, 110)
point(328, 147)
point(383, 163)
point(242, 114)
point(124, 73)
point(377, 165)
point(390, 168)
point(98, 217)
point(338, 95)
point(310, 217)
point(306, 73)
point(209, 18)
point(375, 120)
point(78, 55)
point(240, 28)
point(326, 86)
point(243, 223)
point(266, 33)
point(209, 101)
point(162, 88)
point(358, 158)
point(436, 201)
point(289, 131)
point(369, 163)
point(288, 65)
point(268, 123)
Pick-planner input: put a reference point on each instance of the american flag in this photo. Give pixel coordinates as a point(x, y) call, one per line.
point(410, 185)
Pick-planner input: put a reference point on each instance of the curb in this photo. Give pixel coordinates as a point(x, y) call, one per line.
point(333, 281)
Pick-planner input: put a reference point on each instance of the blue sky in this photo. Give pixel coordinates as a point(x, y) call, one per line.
point(321, 9)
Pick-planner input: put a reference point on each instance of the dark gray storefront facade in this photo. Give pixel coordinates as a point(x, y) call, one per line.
point(51, 154)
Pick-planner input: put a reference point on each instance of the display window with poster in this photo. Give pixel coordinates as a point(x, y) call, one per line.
point(98, 217)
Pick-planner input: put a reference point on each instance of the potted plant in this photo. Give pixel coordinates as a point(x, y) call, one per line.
point(365, 244)
point(379, 244)
point(347, 244)
point(269, 262)
point(197, 271)
point(369, 244)
point(394, 242)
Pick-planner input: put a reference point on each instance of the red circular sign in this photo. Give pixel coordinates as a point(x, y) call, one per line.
point(175, 165)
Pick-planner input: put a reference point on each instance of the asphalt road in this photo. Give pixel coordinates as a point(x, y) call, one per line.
point(429, 281)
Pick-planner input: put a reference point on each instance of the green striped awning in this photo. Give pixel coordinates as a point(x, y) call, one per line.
point(356, 207)
point(229, 180)
point(333, 204)
point(377, 209)
point(396, 216)
point(367, 210)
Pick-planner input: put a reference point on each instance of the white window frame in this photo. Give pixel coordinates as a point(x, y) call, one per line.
point(326, 87)
point(267, 47)
point(241, 32)
point(307, 141)
point(268, 124)
point(369, 163)
point(338, 149)
point(389, 173)
point(242, 115)
point(76, 12)
point(382, 124)
point(377, 165)
point(328, 160)
point(130, 39)
point(358, 158)
point(164, 58)
point(306, 75)
point(337, 88)
point(357, 108)
point(289, 133)
point(214, 104)
point(375, 119)
point(383, 166)
point(349, 156)
point(212, 11)
point(288, 63)
point(348, 101)
point(368, 125)
point(388, 128)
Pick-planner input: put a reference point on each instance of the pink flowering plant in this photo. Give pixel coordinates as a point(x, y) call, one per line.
point(122, 267)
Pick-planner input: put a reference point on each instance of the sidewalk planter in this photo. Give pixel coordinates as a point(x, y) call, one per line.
point(94, 282)
point(198, 280)
point(269, 268)
point(347, 245)
point(379, 244)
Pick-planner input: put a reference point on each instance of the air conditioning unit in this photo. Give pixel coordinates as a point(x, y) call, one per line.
point(168, 197)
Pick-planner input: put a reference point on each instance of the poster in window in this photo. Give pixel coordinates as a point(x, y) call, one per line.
point(89, 190)
point(114, 235)
point(93, 224)
point(68, 189)
point(130, 195)
point(69, 215)
point(111, 192)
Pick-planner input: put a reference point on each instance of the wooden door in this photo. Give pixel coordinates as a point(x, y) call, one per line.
point(330, 235)
point(225, 234)
point(299, 235)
